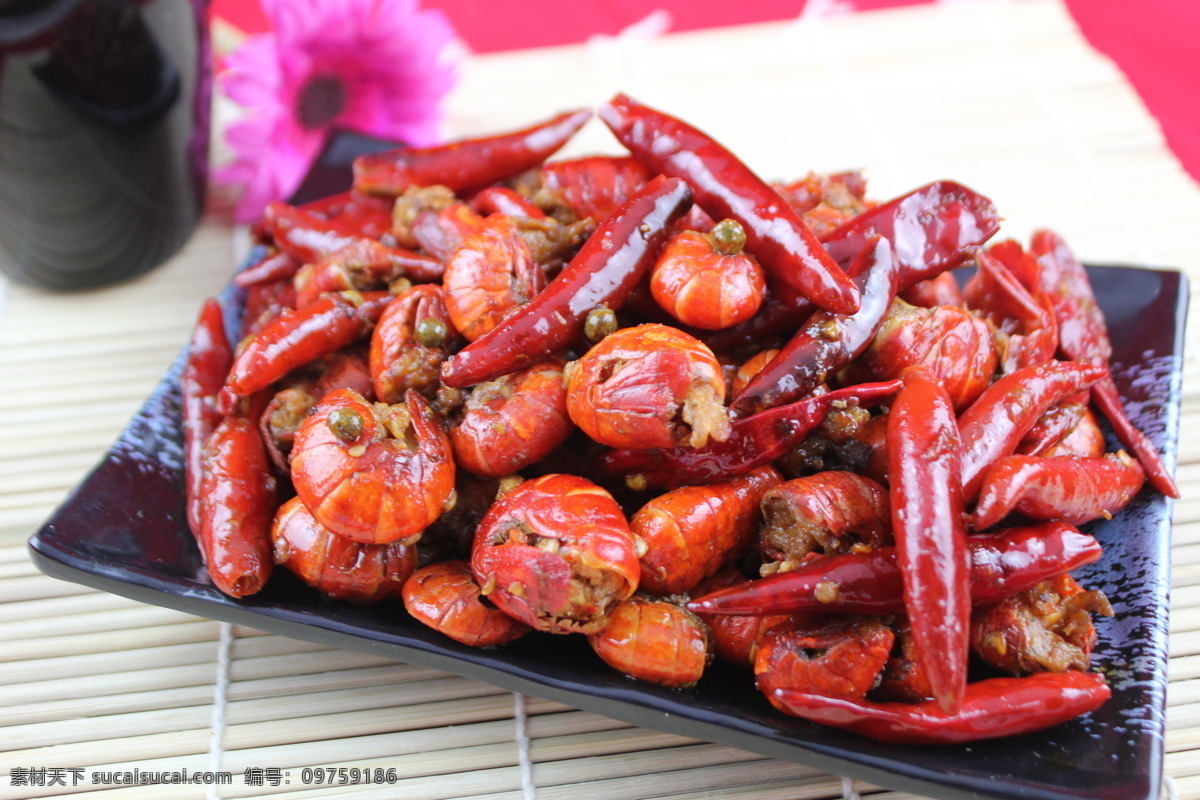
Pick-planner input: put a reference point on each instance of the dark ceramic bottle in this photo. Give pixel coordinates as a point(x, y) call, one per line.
point(104, 120)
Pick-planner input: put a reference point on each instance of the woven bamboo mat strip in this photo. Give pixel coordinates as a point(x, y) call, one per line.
point(1003, 96)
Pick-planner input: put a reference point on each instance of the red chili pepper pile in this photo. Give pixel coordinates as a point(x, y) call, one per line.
point(562, 398)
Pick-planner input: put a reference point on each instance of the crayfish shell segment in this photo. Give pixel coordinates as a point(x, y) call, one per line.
point(556, 553)
point(513, 421)
point(646, 387)
point(697, 284)
point(693, 531)
point(955, 344)
point(1046, 628)
point(445, 597)
point(490, 276)
point(829, 513)
point(414, 336)
point(339, 568)
point(735, 638)
point(829, 656)
point(373, 472)
point(655, 641)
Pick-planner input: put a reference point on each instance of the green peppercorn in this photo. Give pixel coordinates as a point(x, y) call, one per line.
point(600, 322)
point(728, 237)
point(345, 423)
point(430, 332)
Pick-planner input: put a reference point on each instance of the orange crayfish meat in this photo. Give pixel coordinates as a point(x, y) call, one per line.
point(830, 656)
point(512, 422)
point(489, 276)
point(649, 386)
point(693, 531)
point(1046, 628)
point(414, 336)
point(706, 280)
point(373, 472)
point(655, 641)
point(445, 596)
point(557, 554)
point(339, 568)
point(955, 344)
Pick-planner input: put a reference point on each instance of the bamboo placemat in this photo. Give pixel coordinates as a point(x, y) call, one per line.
point(1003, 96)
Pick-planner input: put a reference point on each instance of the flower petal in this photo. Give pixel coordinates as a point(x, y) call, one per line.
point(395, 61)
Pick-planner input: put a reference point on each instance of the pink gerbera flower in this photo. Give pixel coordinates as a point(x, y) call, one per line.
point(379, 67)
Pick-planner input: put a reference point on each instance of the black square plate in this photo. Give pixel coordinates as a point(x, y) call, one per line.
point(124, 530)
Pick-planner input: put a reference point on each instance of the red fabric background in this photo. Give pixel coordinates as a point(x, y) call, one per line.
point(1155, 42)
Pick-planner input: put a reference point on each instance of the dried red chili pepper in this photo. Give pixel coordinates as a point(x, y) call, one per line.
point(753, 441)
point(594, 186)
point(1083, 335)
point(465, 164)
point(924, 468)
point(1028, 329)
point(209, 358)
point(1002, 564)
point(237, 502)
point(828, 341)
point(931, 229)
point(370, 216)
point(502, 200)
point(997, 421)
point(307, 237)
point(1073, 490)
point(1000, 295)
point(272, 267)
point(1021, 264)
point(603, 273)
point(990, 709)
point(941, 290)
point(295, 339)
point(727, 188)
point(1063, 279)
